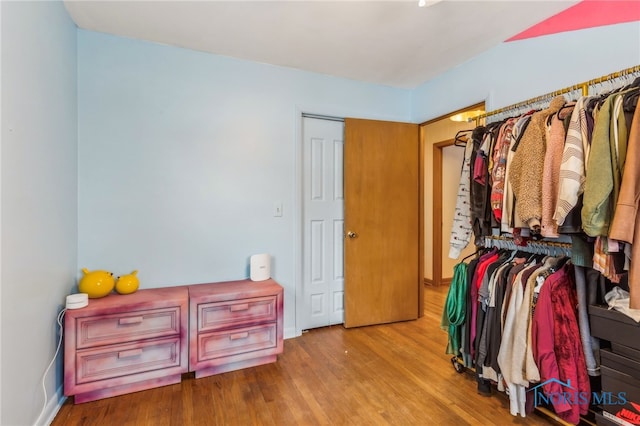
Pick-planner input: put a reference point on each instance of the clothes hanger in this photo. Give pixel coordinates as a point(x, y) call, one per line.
point(550, 118)
point(613, 90)
point(471, 255)
point(462, 138)
point(635, 83)
point(566, 109)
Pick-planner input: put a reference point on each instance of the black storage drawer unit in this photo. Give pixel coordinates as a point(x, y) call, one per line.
point(620, 363)
point(614, 326)
point(616, 382)
point(632, 354)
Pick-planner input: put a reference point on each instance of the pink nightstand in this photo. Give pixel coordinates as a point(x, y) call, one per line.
point(126, 343)
point(234, 325)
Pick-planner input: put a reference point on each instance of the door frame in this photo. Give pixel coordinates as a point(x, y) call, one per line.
point(436, 252)
point(436, 231)
point(298, 224)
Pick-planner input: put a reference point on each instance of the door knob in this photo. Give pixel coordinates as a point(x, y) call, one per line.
point(351, 234)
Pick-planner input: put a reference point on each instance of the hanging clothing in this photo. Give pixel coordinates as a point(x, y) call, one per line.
point(603, 260)
point(494, 313)
point(555, 135)
point(480, 187)
point(453, 315)
point(603, 174)
point(461, 230)
point(619, 138)
point(510, 219)
point(477, 314)
point(517, 391)
point(556, 171)
point(586, 296)
point(526, 168)
point(485, 295)
point(465, 348)
point(499, 169)
point(626, 221)
point(557, 347)
point(522, 361)
point(573, 170)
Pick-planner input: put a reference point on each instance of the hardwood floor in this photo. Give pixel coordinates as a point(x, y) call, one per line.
point(394, 374)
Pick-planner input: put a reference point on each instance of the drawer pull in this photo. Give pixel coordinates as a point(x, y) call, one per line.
point(236, 308)
point(130, 320)
point(238, 336)
point(129, 354)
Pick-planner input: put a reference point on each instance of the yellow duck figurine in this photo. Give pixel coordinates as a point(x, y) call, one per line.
point(128, 284)
point(96, 283)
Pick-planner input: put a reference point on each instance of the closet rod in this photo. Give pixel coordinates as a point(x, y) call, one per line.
point(540, 243)
point(584, 86)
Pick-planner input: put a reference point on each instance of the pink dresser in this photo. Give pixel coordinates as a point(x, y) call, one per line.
point(126, 343)
point(234, 325)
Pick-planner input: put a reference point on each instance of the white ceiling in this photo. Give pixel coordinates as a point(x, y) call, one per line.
point(394, 43)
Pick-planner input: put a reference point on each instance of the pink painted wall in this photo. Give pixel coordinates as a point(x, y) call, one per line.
point(586, 14)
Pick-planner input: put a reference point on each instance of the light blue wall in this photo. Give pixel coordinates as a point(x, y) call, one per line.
point(183, 154)
point(515, 71)
point(38, 197)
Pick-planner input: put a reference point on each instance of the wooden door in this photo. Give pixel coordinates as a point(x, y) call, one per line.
point(382, 229)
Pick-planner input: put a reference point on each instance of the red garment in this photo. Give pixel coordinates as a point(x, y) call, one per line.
point(557, 348)
point(476, 282)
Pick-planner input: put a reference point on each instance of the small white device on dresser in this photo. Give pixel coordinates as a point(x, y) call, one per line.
point(77, 301)
point(260, 267)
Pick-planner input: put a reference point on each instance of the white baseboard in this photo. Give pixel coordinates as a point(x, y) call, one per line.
point(290, 333)
point(52, 408)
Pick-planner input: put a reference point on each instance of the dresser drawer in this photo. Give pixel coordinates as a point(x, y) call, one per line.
point(123, 360)
point(126, 327)
point(218, 315)
point(218, 344)
point(234, 325)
